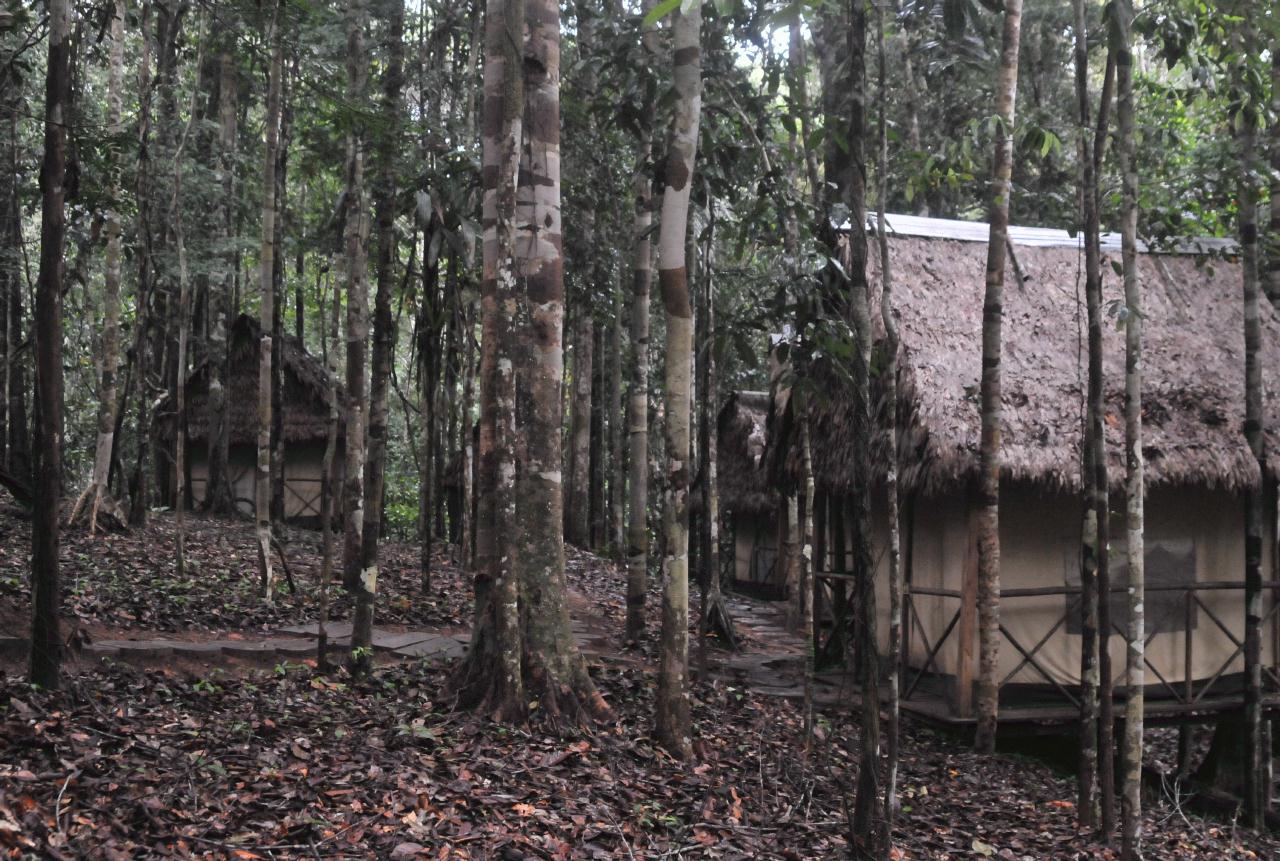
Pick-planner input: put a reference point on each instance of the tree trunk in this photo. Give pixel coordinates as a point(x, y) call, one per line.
point(384, 324)
point(46, 594)
point(1131, 803)
point(673, 725)
point(328, 478)
point(1090, 549)
point(142, 310)
point(1273, 243)
point(638, 394)
point(714, 619)
point(849, 172)
point(596, 477)
point(613, 419)
point(890, 378)
point(278, 299)
point(808, 581)
point(988, 525)
point(362, 582)
point(1255, 498)
point(578, 522)
point(262, 476)
point(427, 362)
point(97, 493)
point(219, 495)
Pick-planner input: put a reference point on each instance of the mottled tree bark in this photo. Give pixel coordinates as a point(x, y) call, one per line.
point(262, 475)
point(491, 677)
point(617, 477)
point(383, 323)
point(674, 729)
point(328, 478)
point(361, 581)
point(988, 522)
point(638, 392)
point(219, 496)
point(46, 590)
point(1135, 636)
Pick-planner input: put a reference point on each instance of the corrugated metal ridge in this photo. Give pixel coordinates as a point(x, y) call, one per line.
point(1045, 237)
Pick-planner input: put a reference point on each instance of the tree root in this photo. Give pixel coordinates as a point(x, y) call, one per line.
point(95, 508)
point(717, 622)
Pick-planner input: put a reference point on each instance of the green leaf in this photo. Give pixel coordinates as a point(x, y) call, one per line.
point(662, 10)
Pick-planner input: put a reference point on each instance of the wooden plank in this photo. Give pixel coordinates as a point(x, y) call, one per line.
point(968, 617)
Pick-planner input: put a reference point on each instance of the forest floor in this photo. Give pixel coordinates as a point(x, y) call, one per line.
point(225, 758)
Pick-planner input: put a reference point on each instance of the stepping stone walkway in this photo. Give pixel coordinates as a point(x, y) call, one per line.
point(293, 643)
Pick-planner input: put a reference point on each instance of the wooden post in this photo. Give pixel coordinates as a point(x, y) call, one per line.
point(1188, 654)
point(968, 617)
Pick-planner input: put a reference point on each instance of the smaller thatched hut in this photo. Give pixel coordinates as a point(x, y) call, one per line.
point(306, 422)
point(746, 501)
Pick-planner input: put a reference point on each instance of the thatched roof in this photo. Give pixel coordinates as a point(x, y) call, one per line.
point(740, 447)
point(1193, 387)
point(306, 389)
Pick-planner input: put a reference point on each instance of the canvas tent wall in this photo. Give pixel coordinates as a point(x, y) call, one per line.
point(747, 503)
point(306, 419)
point(1198, 465)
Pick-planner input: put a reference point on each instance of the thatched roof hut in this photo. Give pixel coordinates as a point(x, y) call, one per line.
point(1193, 387)
point(740, 446)
point(306, 389)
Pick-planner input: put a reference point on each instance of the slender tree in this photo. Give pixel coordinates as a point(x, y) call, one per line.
point(362, 582)
point(266, 274)
point(890, 377)
point(674, 728)
point(578, 519)
point(219, 496)
point(1086, 805)
point(46, 598)
point(1255, 412)
point(988, 521)
point(1273, 244)
point(98, 493)
point(1135, 636)
point(383, 323)
point(638, 391)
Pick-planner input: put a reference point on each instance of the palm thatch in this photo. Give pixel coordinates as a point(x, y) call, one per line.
point(305, 396)
point(1193, 386)
point(740, 446)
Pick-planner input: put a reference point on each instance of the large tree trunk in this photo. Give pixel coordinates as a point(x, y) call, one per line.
point(384, 324)
point(361, 581)
point(1255, 790)
point(219, 496)
point(638, 393)
point(988, 525)
point(673, 725)
point(1131, 803)
point(262, 475)
point(46, 598)
point(97, 493)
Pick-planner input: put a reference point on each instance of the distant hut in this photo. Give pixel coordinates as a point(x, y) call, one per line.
point(306, 422)
point(747, 503)
point(1198, 469)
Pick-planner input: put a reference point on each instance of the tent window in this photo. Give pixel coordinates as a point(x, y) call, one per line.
point(1169, 563)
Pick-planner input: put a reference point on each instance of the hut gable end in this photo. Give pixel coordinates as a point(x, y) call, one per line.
point(305, 396)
